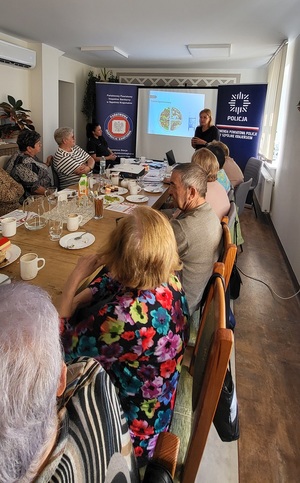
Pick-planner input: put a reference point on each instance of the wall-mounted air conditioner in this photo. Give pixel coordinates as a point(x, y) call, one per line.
point(17, 56)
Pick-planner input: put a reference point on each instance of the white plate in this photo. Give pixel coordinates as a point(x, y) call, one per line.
point(4, 279)
point(121, 191)
point(68, 241)
point(154, 189)
point(12, 254)
point(137, 198)
point(112, 198)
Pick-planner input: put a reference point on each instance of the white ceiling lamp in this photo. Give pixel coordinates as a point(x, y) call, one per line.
point(209, 51)
point(106, 48)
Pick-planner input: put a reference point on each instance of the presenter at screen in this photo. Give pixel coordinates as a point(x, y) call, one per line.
point(206, 132)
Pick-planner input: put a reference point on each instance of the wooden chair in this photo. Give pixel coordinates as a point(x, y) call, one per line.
point(229, 250)
point(200, 385)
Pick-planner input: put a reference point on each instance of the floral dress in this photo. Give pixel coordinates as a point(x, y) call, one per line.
point(139, 337)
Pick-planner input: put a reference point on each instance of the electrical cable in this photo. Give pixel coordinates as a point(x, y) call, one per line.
point(268, 286)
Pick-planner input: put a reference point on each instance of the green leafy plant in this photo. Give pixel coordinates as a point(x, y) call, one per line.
point(15, 117)
point(89, 99)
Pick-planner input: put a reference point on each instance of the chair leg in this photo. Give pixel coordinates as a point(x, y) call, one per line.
point(254, 209)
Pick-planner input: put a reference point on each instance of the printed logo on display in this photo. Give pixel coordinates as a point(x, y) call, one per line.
point(118, 126)
point(239, 103)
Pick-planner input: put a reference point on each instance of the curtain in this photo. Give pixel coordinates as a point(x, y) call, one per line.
point(275, 80)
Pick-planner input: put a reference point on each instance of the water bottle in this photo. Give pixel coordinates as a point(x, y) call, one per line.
point(83, 185)
point(102, 166)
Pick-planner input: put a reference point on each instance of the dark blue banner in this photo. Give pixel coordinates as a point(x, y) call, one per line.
point(240, 110)
point(116, 111)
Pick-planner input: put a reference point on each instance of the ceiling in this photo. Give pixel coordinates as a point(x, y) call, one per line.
point(155, 33)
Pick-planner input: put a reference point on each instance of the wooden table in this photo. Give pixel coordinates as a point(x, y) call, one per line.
point(59, 261)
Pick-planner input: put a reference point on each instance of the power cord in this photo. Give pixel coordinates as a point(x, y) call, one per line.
point(270, 288)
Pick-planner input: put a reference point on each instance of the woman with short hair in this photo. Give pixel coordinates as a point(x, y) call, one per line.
point(25, 167)
point(136, 323)
point(216, 194)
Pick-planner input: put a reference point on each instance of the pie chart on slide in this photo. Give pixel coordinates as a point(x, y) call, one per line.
point(170, 118)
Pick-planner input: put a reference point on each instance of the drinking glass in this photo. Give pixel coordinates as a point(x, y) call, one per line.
point(55, 229)
point(34, 212)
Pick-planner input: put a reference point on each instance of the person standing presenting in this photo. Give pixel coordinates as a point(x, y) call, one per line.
point(206, 132)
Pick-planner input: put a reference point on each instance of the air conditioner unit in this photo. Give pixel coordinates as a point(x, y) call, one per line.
point(17, 56)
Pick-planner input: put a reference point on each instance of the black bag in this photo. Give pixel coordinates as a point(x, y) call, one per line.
point(157, 473)
point(235, 283)
point(226, 420)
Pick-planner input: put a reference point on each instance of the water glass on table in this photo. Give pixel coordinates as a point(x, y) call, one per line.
point(55, 229)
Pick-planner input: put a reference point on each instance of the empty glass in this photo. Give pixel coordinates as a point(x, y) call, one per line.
point(34, 212)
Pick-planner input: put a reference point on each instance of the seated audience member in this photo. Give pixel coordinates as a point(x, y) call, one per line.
point(135, 323)
point(58, 422)
point(221, 176)
point(70, 161)
point(230, 167)
point(97, 146)
point(25, 167)
point(197, 229)
point(216, 195)
point(10, 193)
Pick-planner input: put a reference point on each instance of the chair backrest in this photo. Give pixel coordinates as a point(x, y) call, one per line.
point(3, 160)
point(252, 170)
point(231, 214)
point(241, 194)
point(228, 254)
point(208, 369)
point(55, 177)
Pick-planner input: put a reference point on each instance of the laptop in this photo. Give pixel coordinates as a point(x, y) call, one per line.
point(171, 158)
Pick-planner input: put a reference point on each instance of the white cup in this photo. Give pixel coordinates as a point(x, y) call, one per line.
point(9, 226)
point(143, 159)
point(29, 266)
point(124, 183)
point(123, 160)
point(115, 178)
point(133, 188)
point(74, 221)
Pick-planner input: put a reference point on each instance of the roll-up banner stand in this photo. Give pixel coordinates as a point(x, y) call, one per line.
point(240, 109)
point(116, 111)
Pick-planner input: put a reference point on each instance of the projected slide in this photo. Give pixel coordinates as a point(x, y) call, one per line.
point(174, 113)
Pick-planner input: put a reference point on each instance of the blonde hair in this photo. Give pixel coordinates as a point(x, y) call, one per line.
point(208, 113)
point(142, 250)
point(221, 145)
point(208, 161)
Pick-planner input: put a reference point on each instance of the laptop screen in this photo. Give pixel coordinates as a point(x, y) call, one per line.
point(170, 157)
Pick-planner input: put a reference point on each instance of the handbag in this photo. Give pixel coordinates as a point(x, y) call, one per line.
point(226, 419)
point(235, 283)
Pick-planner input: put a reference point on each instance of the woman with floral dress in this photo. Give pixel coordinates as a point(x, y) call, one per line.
point(135, 323)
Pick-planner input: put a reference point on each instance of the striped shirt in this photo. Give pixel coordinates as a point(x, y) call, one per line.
point(93, 444)
point(65, 163)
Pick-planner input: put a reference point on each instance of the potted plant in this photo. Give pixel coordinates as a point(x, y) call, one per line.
point(14, 118)
point(89, 99)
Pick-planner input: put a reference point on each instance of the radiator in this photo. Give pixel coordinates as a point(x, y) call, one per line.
point(263, 190)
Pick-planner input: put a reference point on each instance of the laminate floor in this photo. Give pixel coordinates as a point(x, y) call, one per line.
point(267, 343)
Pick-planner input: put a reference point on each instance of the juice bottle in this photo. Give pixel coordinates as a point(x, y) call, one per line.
point(83, 185)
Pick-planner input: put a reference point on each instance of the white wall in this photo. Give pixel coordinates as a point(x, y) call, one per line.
point(286, 196)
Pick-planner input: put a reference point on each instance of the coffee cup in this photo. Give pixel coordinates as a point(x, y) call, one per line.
point(115, 179)
point(143, 159)
point(9, 226)
point(133, 189)
point(74, 221)
point(29, 266)
point(123, 160)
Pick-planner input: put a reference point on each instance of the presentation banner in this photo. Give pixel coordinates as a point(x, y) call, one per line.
point(240, 109)
point(116, 111)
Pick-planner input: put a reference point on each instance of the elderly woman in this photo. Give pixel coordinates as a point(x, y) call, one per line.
point(230, 167)
point(70, 161)
point(216, 194)
point(25, 167)
point(55, 420)
point(136, 322)
point(221, 175)
point(10, 193)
